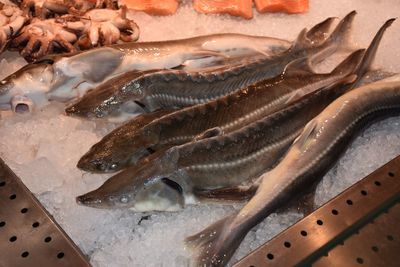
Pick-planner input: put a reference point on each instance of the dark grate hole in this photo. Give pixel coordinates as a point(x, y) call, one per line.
point(320, 222)
point(363, 192)
point(13, 238)
point(390, 237)
point(375, 248)
point(35, 224)
point(391, 174)
point(377, 183)
point(335, 212)
point(2, 183)
point(360, 260)
point(24, 210)
point(47, 239)
point(25, 254)
point(349, 202)
point(60, 255)
point(270, 256)
point(2, 223)
point(13, 196)
point(287, 244)
point(303, 233)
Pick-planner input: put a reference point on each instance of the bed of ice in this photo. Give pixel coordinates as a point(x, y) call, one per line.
point(43, 148)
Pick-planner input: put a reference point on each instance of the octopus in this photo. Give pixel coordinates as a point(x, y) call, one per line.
point(52, 8)
point(11, 21)
point(42, 37)
point(104, 27)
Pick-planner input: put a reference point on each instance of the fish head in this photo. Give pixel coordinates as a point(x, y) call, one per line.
point(27, 87)
point(117, 150)
point(142, 188)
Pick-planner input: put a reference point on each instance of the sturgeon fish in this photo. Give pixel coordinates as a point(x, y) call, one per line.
point(223, 115)
point(65, 77)
point(317, 148)
point(225, 166)
point(168, 89)
point(217, 167)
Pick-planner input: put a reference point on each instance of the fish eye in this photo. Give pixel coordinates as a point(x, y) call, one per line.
point(124, 199)
point(113, 166)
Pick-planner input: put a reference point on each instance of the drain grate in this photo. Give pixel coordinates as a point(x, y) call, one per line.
point(29, 236)
point(359, 227)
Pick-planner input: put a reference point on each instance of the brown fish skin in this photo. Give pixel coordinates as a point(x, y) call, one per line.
point(311, 155)
point(169, 89)
point(209, 166)
point(226, 114)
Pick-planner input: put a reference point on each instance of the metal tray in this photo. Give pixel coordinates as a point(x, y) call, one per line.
point(29, 235)
point(359, 227)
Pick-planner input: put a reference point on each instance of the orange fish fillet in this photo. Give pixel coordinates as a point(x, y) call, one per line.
point(288, 6)
point(154, 7)
point(243, 8)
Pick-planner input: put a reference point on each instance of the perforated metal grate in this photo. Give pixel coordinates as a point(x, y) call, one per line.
point(29, 236)
point(359, 227)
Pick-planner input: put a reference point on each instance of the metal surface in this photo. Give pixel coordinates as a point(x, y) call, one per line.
point(359, 227)
point(29, 236)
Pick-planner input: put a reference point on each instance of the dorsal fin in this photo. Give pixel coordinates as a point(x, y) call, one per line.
point(302, 42)
point(303, 139)
point(298, 66)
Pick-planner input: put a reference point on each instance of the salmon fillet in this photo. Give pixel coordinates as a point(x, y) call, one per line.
point(243, 8)
point(287, 6)
point(153, 7)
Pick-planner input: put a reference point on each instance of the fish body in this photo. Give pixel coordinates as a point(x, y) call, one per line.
point(201, 169)
point(221, 116)
point(314, 151)
point(169, 89)
point(70, 76)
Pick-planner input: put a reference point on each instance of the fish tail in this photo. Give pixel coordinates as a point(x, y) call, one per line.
point(350, 64)
point(319, 33)
point(340, 39)
point(370, 53)
point(217, 243)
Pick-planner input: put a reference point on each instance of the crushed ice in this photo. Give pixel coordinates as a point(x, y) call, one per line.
point(43, 148)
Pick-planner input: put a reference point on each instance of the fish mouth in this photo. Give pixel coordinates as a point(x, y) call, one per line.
point(90, 201)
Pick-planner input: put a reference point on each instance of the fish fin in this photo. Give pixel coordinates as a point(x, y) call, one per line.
point(206, 53)
point(319, 33)
point(89, 63)
point(302, 140)
point(370, 53)
point(302, 42)
point(340, 39)
point(297, 67)
point(217, 243)
point(216, 131)
point(237, 193)
point(349, 64)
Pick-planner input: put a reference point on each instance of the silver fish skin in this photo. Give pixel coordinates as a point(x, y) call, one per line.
point(70, 76)
point(168, 89)
point(317, 148)
point(221, 116)
point(221, 167)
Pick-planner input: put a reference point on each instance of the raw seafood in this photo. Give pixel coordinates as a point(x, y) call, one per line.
point(69, 76)
point(168, 89)
point(11, 21)
point(317, 148)
point(221, 167)
point(287, 6)
point(243, 8)
point(224, 114)
point(154, 7)
point(42, 37)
